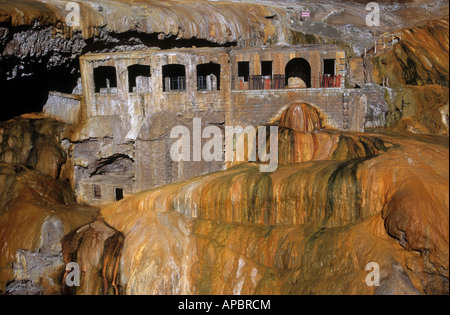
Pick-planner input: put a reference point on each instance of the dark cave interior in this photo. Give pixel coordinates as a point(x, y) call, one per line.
point(28, 92)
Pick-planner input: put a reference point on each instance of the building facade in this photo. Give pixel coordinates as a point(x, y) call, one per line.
point(131, 101)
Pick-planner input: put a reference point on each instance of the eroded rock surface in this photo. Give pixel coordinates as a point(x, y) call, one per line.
point(417, 69)
point(307, 228)
point(37, 207)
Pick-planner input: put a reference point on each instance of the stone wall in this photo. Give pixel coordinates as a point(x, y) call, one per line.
point(344, 109)
point(376, 111)
point(119, 101)
point(153, 147)
point(134, 154)
point(258, 108)
point(64, 107)
point(281, 56)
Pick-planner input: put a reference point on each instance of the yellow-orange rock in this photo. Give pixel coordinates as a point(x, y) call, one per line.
point(36, 212)
point(301, 117)
point(308, 228)
point(417, 69)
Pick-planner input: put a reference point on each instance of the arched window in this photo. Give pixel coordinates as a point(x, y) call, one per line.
point(208, 77)
point(298, 68)
point(139, 79)
point(174, 77)
point(105, 79)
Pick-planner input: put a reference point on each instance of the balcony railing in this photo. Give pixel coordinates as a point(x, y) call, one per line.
point(175, 84)
point(202, 83)
point(207, 83)
point(330, 81)
point(259, 82)
point(278, 82)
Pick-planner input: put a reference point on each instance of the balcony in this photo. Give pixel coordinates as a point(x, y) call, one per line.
point(259, 82)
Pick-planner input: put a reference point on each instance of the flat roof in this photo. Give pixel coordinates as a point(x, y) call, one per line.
point(283, 48)
point(118, 55)
point(152, 51)
point(209, 50)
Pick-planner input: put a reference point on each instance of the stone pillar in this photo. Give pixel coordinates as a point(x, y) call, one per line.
point(122, 78)
point(340, 67)
point(316, 68)
point(87, 80)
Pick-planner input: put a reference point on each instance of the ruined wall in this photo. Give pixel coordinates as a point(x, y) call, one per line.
point(123, 125)
point(119, 101)
point(153, 147)
point(104, 156)
point(373, 104)
point(344, 109)
point(137, 126)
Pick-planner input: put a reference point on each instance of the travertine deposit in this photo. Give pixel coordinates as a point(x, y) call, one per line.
point(37, 207)
point(307, 228)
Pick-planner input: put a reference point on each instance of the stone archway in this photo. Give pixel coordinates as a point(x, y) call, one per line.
point(298, 68)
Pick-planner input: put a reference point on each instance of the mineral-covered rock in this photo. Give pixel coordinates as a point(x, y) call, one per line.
point(307, 228)
point(37, 207)
point(417, 72)
point(35, 213)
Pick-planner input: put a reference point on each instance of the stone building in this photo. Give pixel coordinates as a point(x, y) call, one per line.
point(130, 102)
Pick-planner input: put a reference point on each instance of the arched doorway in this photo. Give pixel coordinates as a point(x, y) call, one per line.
point(298, 68)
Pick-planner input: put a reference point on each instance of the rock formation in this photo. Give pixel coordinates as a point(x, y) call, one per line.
point(417, 72)
point(307, 228)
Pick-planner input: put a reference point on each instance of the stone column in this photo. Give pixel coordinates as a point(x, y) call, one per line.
point(87, 79)
point(316, 68)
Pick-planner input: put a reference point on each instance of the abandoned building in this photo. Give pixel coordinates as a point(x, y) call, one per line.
point(128, 103)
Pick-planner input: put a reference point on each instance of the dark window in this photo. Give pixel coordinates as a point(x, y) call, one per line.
point(299, 68)
point(266, 68)
point(174, 78)
point(105, 79)
point(208, 77)
point(139, 79)
point(244, 70)
point(119, 193)
point(329, 66)
point(97, 191)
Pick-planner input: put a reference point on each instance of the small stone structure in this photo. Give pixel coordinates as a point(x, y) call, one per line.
point(132, 100)
point(65, 107)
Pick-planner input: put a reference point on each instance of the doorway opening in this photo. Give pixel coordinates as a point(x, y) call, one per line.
point(119, 193)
